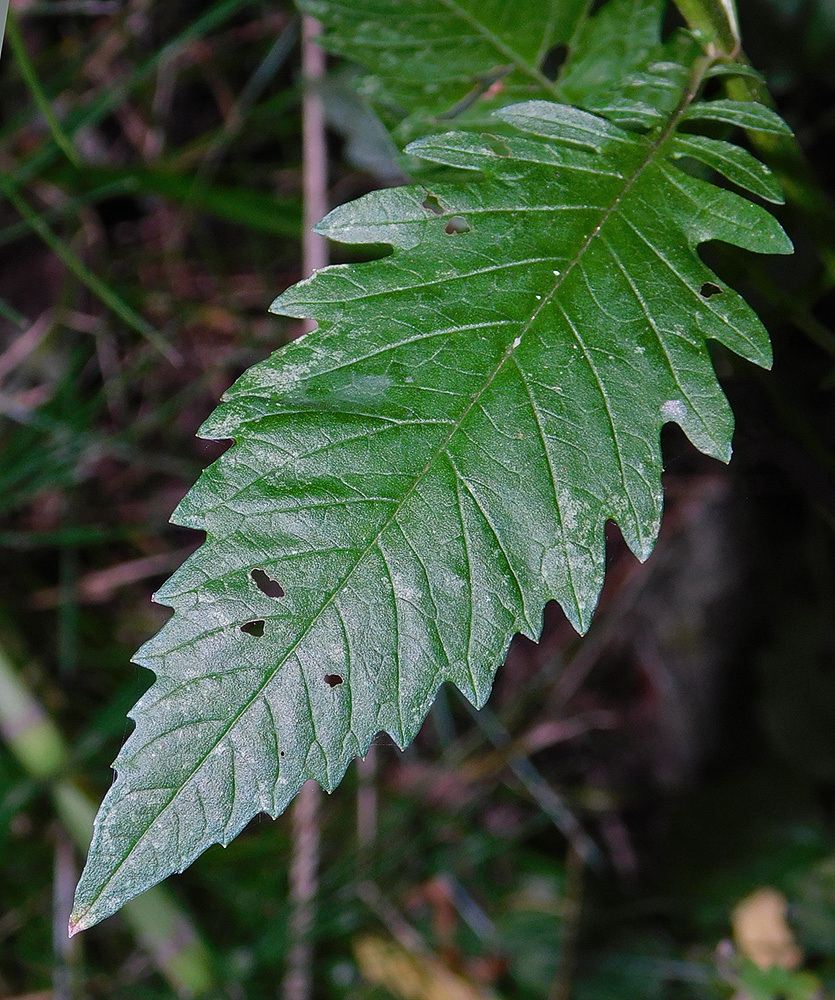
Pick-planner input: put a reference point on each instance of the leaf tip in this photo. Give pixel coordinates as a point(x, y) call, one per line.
point(579, 611)
point(276, 306)
point(786, 245)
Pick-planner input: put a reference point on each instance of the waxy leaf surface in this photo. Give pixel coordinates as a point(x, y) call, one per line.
point(412, 482)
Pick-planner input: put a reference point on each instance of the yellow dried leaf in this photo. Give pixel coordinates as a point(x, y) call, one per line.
point(762, 932)
point(410, 976)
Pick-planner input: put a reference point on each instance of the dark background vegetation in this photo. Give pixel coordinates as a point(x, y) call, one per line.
point(143, 233)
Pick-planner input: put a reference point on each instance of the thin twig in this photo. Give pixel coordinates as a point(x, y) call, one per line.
point(367, 803)
point(562, 987)
point(65, 974)
point(100, 585)
point(392, 919)
point(315, 167)
point(26, 344)
point(304, 881)
point(304, 867)
point(264, 73)
point(33, 84)
point(540, 790)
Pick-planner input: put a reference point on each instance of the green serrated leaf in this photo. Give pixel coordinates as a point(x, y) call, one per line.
point(411, 483)
point(464, 60)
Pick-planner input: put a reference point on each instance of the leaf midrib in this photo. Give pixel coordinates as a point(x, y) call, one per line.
point(698, 71)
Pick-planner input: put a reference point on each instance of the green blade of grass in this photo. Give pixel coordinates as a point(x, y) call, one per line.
point(253, 210)
point(11, 314)
point(164, 929)
point(33, 85)
point(112, 96)
point(70, 207)
point(102, 291)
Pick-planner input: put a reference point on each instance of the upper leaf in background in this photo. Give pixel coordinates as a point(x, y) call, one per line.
point(411, 483)
point(430, 55)
point(442, 61)
point(609, 47)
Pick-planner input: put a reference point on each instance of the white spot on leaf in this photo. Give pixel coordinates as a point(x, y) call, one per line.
point(674, 409)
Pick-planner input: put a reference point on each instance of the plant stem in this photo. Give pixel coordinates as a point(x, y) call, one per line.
point(715, 20)
point(367, 804)
point(304, 880)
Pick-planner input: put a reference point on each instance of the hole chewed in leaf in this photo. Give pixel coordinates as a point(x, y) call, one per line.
point(431, 204)
point(498, 145)
point(332, 680)
point(255, 628)
point(552, 63)
point(709, 289)
point(266, 584)
point(457, 226)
